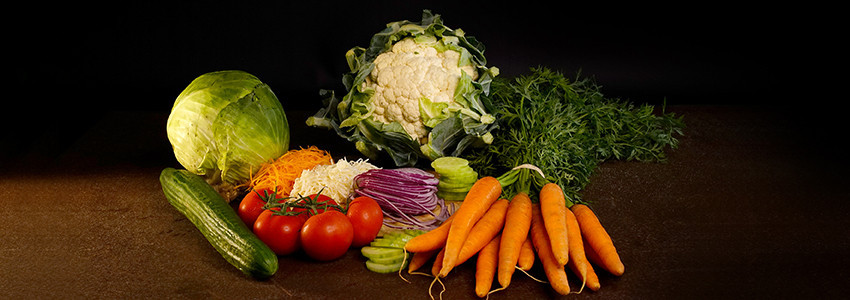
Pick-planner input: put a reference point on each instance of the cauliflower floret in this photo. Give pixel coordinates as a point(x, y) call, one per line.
point(408, 73)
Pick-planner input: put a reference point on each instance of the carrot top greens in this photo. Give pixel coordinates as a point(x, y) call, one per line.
point(567, 128)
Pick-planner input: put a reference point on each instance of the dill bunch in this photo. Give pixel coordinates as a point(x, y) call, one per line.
point(567, 128)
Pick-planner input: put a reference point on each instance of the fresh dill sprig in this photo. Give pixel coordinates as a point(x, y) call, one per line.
point(567, 128)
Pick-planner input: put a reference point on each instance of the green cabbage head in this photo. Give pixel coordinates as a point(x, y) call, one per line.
point(225, 124)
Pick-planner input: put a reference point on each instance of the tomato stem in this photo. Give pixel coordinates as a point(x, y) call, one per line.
point(309, 204)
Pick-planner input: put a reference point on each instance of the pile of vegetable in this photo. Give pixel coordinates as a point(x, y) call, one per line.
point(563, 128)
point(316, 224)
point(508, 157)
point(319, 214)
point(230, 133)
point(505, 235)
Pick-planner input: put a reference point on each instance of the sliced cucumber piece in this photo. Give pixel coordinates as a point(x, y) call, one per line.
point(413, 232)
point(458, 181)
point(388, 243)
point(385, 268)
point(380, 252)
point(453, 187)
point(397, 237)
point(388, 260)
point(451, 196)
point(460, 175)
point(449, 164)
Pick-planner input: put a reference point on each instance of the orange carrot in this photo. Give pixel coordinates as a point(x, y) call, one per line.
point(592, 281)
point(484, 230)
point(438, 262)
point(555, 272)
point(526, 255)
point(592, 256)
point(553, 207)
point(419, 259)
point(578, 261)
point(280, 174)
point(514, 234)
point(598, 240)
point(483, 193)
point(485, 267)
point(431, 240)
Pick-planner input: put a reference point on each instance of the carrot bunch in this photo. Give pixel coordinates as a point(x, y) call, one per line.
point(507, 235)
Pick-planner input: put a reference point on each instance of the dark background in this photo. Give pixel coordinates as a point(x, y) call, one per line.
point(752, 205)
point(72, 63)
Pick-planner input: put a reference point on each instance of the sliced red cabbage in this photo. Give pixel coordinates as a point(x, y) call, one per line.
point(404, 194)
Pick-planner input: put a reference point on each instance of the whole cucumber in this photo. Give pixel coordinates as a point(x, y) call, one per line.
point(218, 222)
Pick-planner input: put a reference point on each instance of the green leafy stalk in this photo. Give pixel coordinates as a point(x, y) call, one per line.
point(567, 128)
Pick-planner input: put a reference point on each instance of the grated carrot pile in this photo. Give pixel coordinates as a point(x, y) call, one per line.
point(282, 172)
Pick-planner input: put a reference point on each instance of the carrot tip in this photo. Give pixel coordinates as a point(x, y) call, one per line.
point(618, 272)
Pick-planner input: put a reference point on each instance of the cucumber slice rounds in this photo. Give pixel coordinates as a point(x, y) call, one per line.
point(386, 254)
point(456, 177)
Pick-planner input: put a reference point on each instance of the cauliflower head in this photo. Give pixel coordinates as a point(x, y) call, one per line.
point(418, 91)
point(411, 72)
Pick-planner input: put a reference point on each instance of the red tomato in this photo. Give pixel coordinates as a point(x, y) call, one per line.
point(314, 200)
point(327, 236)
point(367, 218)
point(252, 205)
point(282, 233)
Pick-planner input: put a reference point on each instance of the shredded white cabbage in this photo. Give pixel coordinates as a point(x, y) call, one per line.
point(337, 179)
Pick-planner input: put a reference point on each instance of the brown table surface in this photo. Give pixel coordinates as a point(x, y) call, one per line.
point(753, 204)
